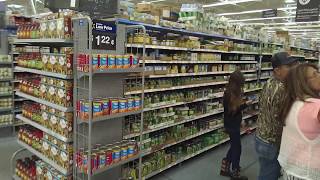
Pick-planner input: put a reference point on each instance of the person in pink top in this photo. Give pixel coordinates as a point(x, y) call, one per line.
point(300, 146)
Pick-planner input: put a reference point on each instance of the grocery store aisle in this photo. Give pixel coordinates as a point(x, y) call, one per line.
point(207, 165)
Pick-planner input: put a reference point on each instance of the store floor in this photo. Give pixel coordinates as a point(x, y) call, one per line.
point(207, 165)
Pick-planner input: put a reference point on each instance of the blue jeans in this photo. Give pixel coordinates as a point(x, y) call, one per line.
point(234, 152)
point(269, 165)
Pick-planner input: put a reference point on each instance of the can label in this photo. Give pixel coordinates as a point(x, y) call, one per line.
point(116, 155)
point(103, 61)
point(130, 151)
point(137, 102)
point(124, 153)
point(105, 106)
point(97, 110)
point(126, 61)
point(111, 62)
point(122, 105)
point(114, 104)
point(119, 61)
point(95, 61)
point(130, 104)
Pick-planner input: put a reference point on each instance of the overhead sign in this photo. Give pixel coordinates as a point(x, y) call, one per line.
point(104, 35)
point(307, 10)
point(270, 13)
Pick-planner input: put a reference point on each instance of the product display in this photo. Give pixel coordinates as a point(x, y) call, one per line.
point(5, 73)
point(5, 88)
point(106, 155)
point(5, 59)
point(106, 61)
point(6, 119)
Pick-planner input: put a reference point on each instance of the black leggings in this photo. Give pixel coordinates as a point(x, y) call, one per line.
point(234, 152)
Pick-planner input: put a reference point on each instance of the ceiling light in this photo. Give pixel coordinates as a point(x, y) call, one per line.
point(260, 19)
point(228, 3)
point(255, 11)
point(15, 6)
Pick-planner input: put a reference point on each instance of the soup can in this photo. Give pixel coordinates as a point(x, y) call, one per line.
point(130, 104)
point(95, 61)
point(111, 61)
point(137, 103)
point(123, 105)
point(97, 108)
point(116, 154)
point(103, 61)
point(119, 61)
point(126, 61)
point(114, 105)
point(105, 106)
point(109, 156)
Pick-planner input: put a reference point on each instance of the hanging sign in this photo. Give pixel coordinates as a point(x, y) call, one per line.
point(307, 10)
point(270, 13)
point(104, 34)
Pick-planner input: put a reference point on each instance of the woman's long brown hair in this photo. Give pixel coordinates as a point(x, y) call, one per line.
point(233, 91)
point(297, 88)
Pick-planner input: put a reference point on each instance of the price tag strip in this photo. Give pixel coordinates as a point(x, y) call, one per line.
point(104, 35)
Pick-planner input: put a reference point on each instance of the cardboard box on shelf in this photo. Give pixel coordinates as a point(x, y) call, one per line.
point(144, 7)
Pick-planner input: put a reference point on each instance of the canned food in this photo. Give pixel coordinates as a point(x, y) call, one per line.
point(111, 61)
point(85, 109)
point(97, 108)
point(124, 152)
point(126, 61)
point(116, 154)
point(134, 61)
point(137, 103)
point(109, 156)
point(95, 61)
point(131, 148)
point(114, 106)
point(102, 158)
point(105, 106)
point(103, 61)
point(119, 61)
point(123, 105)
point(130, 104)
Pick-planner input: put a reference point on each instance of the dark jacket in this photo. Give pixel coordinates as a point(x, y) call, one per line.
point(232, 121)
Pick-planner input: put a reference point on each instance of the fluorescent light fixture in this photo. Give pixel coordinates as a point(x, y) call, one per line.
point(260, 19)
point(228, 2)
point(254, 11)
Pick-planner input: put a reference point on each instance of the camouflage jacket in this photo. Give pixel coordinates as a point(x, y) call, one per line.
point(269, 124)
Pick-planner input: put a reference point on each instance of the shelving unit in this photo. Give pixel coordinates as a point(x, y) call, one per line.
point(107, 83)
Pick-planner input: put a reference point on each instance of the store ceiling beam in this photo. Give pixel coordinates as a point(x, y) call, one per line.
point(228, 2)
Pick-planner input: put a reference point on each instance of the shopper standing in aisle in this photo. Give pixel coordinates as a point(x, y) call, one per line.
point(233, 103)
point(300, 145)
point(269, 123)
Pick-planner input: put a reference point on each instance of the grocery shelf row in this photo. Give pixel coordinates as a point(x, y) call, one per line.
point(45, 73)
point(199, 62)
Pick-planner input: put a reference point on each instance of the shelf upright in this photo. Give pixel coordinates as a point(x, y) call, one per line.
point(106, 83)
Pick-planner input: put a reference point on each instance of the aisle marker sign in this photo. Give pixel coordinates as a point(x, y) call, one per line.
point(307, 10)
point(104, 34)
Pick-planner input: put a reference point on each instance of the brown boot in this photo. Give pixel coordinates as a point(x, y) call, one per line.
point(235, 175)
point(225, 168)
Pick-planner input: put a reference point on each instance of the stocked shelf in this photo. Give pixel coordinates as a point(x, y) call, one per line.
point(160, 106)
point(44, 129)
point(243, 52)
point(250, 115)
point(2, 110)
point(267, 54)
point(6, 125)
point(184, 139)
point(6, 95)
point(112, 71)
point(122, 162)
point(44, 158)
point(190, 74)
point(298, 56)
point(177, 87)
point(199, 62)
point(163, 126)
point(5, 63)
point(307, 49)
point(252, 90)
point(267, 77)
point(41, 101)
point(6, 79)
point(312, 59)
point(112, 116)
point(45, 73)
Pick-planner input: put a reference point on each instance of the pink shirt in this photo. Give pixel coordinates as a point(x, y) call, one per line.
point(308, 121)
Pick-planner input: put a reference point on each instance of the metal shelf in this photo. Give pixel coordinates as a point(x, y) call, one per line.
point(6, 95)
point(5, 110)
point(266, 69)
point(185, 139)
point(252, 90)
point(112, 116)
point(41, 101)
point(7, 79)
point(267, 77)
point(6, 125)
point(214, 96)
point(45, 73)
point(177, 87)
point(199, 62)
point(101, 170)
point(251, 79)
point(112, 71)
point(44, 129)
point(243, 52)
point(190, 74)
point(267, 54)
point(312, 58)
point(307, 49)
point(185, 32)
point(5, 63)
point(250, 115)
point(45, 159)
point(46, 41)
point(298, 56)
point(20, 99)
point(192, 118)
